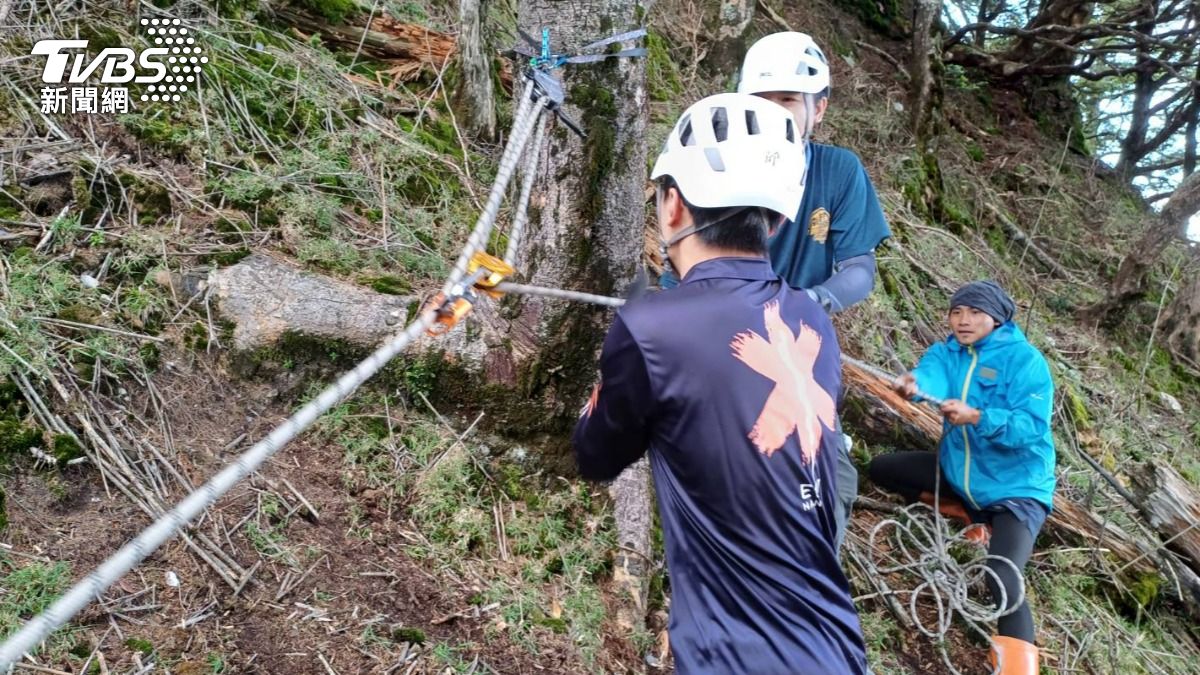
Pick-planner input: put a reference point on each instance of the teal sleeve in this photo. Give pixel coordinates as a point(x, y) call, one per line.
point(1025, 417)
point(932, 372)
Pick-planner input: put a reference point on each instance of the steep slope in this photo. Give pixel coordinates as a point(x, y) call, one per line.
point(396, 539)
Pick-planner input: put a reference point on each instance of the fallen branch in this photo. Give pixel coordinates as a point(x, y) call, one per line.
point(1018, 236)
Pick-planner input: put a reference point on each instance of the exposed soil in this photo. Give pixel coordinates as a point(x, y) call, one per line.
point(354, 584)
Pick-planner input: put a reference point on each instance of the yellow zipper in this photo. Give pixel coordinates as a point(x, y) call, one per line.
point(966, 438)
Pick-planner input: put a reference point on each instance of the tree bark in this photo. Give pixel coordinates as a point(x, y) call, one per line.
point(267, 297)
point(726, 21)
point(1181, 324)
point(474, 94)
point(384, 38)
point(1129, 284)
point(586, 222)
point(1172, 507)
point(920, 70)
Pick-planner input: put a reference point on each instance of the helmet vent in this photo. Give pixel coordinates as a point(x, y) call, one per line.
point(685, 131)
point(720, 122)
point(751, 122)
point(714, 159)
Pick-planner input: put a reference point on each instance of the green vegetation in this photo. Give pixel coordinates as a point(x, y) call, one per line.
point(29, 589)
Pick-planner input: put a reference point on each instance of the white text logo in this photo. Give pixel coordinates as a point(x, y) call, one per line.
point(168, 70)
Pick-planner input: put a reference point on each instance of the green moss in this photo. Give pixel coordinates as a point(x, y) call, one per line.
point(389, 284)
point(159, 130)
point(662, 73)
point(1078, 407)
point(885, 16)
point(414, 636)
point(64, 448)
point(152, 200)
point(150, 355)
point(17, 439)
point(598, 102)
point(1145, 589)
point(334, 10)
point(227, 258)
point(100, 36)
point(139, 645)
point(974, 151)
point(556, 625)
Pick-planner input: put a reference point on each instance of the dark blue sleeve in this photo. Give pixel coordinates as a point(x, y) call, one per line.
point(614, 429)
point(858, 225)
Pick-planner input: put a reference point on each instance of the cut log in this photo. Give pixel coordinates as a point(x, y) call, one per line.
point(633, 512)
point(1172, 507)
point(384, 37)
point(878, 415)
point(267, 297)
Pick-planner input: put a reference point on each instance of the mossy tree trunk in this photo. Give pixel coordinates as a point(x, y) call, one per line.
point(586, 221)
point(726, 22)
point(473, 97)
point(1181, 326)
point(921, 71)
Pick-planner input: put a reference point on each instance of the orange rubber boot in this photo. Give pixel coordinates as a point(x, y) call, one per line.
point(1017, 657)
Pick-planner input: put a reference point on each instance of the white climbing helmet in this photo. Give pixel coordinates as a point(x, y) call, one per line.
point(784, 62)
point(736, 150)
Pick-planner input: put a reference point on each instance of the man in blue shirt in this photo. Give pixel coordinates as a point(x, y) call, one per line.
point(730, 381)
point(829, 246)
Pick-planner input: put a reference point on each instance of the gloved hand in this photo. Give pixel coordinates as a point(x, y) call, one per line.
point(824, 298)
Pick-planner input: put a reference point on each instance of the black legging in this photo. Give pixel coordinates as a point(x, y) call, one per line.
point(911, 473)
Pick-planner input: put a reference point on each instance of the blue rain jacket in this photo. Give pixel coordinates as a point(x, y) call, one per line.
point(1010, 452)
point(731, 381)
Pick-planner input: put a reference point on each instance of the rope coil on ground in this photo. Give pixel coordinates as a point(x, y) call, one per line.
point(923, 546)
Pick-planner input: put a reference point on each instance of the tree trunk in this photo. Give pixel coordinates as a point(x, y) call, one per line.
point(586, 220)
point(726, 21)
point(1133, 147)
point(1181, 324)
point(474, 94)
point(417, 47)
point(267, 297)
point(1129, 284)
point(920, 70)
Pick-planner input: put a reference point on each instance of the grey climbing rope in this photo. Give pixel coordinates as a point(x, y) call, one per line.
point(154, 536)
point(169, 524)
point(561, 294)
point(528, 112)
point(518, 227)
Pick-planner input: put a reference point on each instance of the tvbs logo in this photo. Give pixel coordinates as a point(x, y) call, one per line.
point(168, 69)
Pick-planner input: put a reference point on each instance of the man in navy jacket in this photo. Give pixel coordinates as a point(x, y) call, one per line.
point(730, 381)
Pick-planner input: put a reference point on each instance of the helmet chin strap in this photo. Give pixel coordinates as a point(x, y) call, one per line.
point(810, 111)
point(664, 245)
